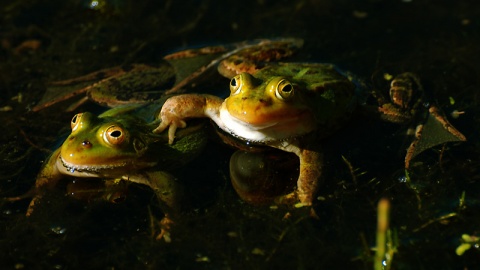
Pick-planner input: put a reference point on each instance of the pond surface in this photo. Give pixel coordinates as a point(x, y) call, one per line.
point(45, 41)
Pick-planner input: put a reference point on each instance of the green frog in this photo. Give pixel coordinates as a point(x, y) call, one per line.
point(118, 145)
point(287, 106)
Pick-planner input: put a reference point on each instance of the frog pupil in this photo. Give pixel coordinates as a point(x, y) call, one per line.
point(233, 82)
point(287, 88)
point(116, 133)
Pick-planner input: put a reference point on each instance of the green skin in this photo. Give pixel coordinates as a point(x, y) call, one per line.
point(136, 154)
point(263, 109)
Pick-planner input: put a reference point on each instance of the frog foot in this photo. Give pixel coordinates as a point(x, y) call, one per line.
point(165, 226)
point(172, 123)
point(288, 199)
point(293, 199)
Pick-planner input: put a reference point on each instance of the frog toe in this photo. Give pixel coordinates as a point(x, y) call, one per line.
point(172, 126)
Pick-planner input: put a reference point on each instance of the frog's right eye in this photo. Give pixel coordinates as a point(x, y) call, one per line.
point(235, 85)
point(76, 120)
point(114, 135)
point(284, 90)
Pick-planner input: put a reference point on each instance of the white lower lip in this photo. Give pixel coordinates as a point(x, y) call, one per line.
point(242, 129)
point(85, 170)
point(269, 132)
point(109, 170)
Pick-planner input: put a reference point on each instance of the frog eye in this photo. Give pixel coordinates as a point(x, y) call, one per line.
point(284, 90)
point(114, 135)
point(76, 120)
point(235, 85)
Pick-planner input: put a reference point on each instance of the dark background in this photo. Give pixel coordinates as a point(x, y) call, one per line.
point(44, 41)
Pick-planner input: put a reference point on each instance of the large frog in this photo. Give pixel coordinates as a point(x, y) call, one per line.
point(118, 145)
point(289, 106)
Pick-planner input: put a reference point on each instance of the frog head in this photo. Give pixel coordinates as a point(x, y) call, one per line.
point(285, 101)
point(106, 146)
point(261, 110)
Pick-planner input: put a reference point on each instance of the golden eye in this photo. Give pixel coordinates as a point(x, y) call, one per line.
point(284, 90)
point(114, 135)
point(235, 85)
point(76, 121)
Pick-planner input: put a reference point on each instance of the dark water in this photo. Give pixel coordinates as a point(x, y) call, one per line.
point(44, 41)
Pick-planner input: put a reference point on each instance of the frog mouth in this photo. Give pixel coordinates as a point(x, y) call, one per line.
point(108, 170)
point(86, 170)
point(70, 167)
point(262, 133)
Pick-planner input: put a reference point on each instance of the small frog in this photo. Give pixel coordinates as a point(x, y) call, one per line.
point(118, 145)
point(407, 104)
point(288, 106)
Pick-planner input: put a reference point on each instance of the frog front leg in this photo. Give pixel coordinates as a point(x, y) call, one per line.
point(169, 193)
point(311, 161)
point(178, 108)
point(47, 178)
point(310, 172)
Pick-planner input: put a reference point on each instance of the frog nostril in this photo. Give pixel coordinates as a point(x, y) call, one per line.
point(86, 144)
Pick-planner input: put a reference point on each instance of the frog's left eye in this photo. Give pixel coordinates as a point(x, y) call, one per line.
point(235, 85)
point(75, 122)
point(284, 90)
point(114, 135)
